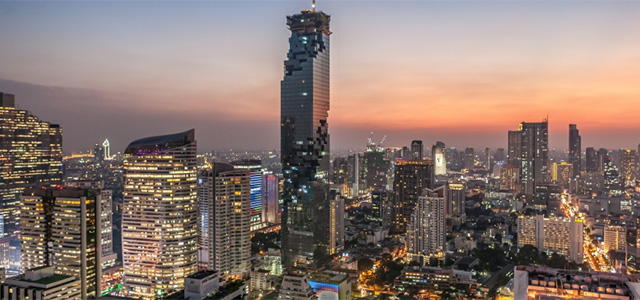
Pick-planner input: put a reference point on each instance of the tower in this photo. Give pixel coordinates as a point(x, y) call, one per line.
point(439, 160)
point(224, 201)
point(61, 227)
point(411, 178)
point(304, 139)
point(159, 214)
point(575, 149)
point(534, 156)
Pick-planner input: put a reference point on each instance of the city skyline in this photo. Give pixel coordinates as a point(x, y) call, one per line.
point(102, 70)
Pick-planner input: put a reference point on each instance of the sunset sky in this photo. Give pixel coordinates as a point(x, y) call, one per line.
point(460, 72)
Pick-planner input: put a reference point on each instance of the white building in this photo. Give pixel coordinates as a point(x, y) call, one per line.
point(561, 235)
point(296, 288)
point(426, 228)
point(224, 220)
point(41, 284)
point(159, 215)
point(199, 285)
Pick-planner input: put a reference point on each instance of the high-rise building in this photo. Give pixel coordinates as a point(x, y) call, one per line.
point(416, 150)
point(379, 198)
point(270, 197)
point(304, 138)
point(224, 220)
point(562, 235)
point(499, 156)
point(611, 178)
point(411, 178)
point(469, 158)
point(376, 167)
point(159, 214)
point(426, 228)
point(601, 154)
point(575, 149)
point(62, 227)
point(454, 205)
point(533, 150)
point(514, 149)
point(31, 155)
point(615, 238)
point(439, 159)
point(255, 166)
point(562, 173)
point(628, 168)
point(591, 160)
point(337, 224)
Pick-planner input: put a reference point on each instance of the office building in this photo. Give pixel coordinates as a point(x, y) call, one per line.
point(562, 173)
point(417, 150)
point(201, 285)
point(602, 154)
point(337, 224)
point(435, 280)
point(41, 284)
point(270, 198)
point(439, 159)
point(224, 219)
point(591, 160)
point(514, 155)
point(611, 178)
point(159, 214)
point(575, 149)
point(469, 158)
point(375, 168)
point(305, 139)
point(379, 198)
point(426, 228)
point(454, 205)
point(411, 178)
point(561, 235)
point(61, 227)
point(255, 167)
point(31, 155)
point(628, 168)
point(615, 238)
point(296, 288)
point(533, 154)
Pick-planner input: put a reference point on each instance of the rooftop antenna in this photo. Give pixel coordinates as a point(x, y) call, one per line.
point(313, 6)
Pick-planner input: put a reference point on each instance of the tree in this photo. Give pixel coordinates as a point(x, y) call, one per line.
point(528, 255)
point(364, 264)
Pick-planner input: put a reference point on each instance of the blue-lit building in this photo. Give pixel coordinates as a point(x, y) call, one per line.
point(255, 183)
point(305, 139)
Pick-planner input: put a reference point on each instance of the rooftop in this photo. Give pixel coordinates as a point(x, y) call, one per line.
point(159, 143)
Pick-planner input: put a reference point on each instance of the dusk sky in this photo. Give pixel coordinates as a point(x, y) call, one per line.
point(460, 72)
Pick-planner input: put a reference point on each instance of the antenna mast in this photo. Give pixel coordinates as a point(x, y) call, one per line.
point(313, 6)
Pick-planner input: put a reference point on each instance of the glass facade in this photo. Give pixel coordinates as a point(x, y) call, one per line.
point(30, 155)
point(159, 229)
point(305, 139)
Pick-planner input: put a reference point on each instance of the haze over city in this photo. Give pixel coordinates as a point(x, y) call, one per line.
point(460, 72)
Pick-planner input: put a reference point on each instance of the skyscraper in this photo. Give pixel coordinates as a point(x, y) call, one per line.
point(591, 160)
point(439, 160)
point(628, 167)
point(224, 202)
point(575, 149)
point(337, 224)
point(531, 154)
point(61, 227)
point(304, 138)
point(416, 150)
point(411, 178)
point(514, 155)
point(159, 215)
point(469, 158)
point(270, 197)
point(30, 155)
point(426, 228)
point(255, 167)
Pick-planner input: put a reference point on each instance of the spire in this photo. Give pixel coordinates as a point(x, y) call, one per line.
point(313, 6)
